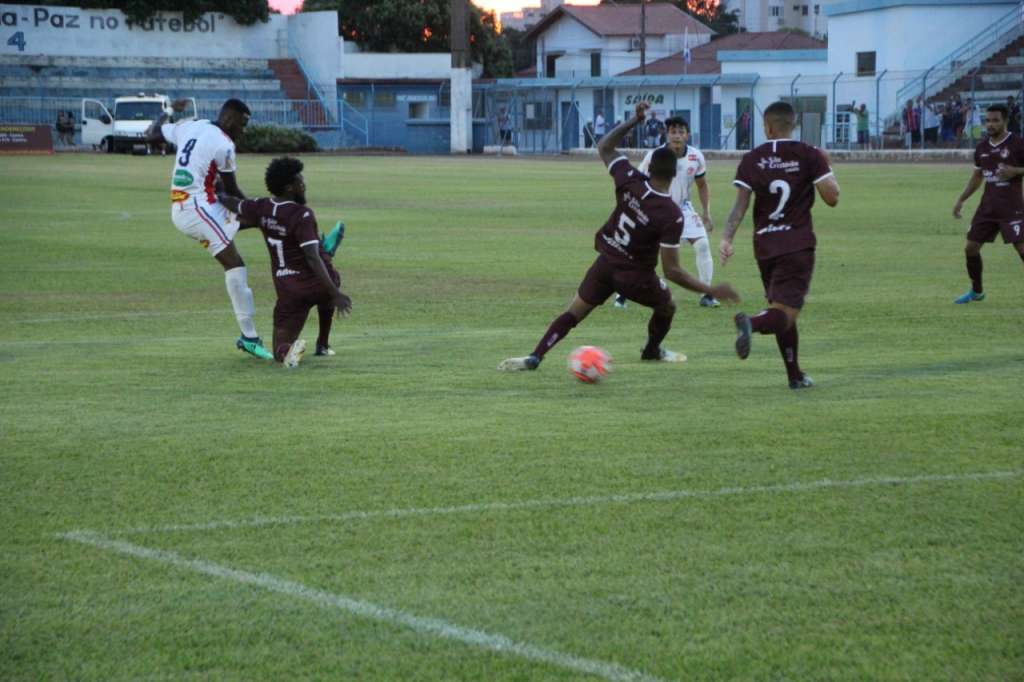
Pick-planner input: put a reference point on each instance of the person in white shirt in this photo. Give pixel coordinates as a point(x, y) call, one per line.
point(690, 169)
point(599, 126)
point(205, 155)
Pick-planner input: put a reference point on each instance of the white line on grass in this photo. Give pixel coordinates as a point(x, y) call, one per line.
point(546, 503)
point(358, 607)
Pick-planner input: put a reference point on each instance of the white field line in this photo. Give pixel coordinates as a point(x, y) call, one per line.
point(548, 503)
point(364, 609)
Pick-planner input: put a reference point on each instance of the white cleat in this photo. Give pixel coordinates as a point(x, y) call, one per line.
point(518, 364)
point(666, 356)
point(294, 355)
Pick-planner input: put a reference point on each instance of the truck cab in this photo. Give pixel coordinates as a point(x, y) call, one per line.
point(122, 129)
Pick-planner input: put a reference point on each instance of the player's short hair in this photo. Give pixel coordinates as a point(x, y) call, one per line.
point(1003, 110)
point(280, 173)
point(780, 115)
point(663, 164)
point(677, 122)
point(235, 105)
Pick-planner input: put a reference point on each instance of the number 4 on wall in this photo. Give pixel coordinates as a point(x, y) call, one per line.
point(18, 40)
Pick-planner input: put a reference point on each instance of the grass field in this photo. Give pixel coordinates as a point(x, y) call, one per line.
point(173, 509)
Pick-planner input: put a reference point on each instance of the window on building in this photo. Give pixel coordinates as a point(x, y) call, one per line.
point(803, 10)
point(355, 99)
point(595, 64)
point(419, 109)
point(384, 100)
point(776, 11)
point(865, 63)
point(549, 65)
point(817, 9)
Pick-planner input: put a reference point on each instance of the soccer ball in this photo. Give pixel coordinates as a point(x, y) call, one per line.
point(590, 364)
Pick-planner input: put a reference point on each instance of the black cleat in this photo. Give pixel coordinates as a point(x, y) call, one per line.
point(742, 335)
point(324, 350)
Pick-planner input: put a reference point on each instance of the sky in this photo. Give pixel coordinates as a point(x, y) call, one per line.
point(499, 6)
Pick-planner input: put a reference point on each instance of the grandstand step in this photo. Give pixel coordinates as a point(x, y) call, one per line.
point(989, 95)
point(1004, 80)
point(1015, 61)
point(134, 85)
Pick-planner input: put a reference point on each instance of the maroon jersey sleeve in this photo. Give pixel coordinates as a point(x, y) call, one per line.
point(623, 172)
point(819, 166)
point(744, 172)
point(303, 228)
point(671, 223)
point(977, 157)
point(250, 211)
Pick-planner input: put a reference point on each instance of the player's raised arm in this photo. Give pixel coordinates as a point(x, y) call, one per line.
point(154, 133)
point(674, 272)
point(972, 186)
point(606, 147)
point(739, 209)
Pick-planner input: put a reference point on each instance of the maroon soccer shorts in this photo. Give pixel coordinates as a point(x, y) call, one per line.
point(296, 299)
point(787, 278)
point(985, 230)
point(642, 286)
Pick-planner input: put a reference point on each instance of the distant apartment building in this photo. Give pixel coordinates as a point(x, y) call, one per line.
point(760, 16)
point(529, 16)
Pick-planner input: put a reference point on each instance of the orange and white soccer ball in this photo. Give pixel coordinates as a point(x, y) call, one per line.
point(590, 364)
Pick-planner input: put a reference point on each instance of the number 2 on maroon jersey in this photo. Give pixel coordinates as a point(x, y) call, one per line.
point(776, 187)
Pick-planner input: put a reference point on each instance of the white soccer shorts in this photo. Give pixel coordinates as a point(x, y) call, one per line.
point(211, 225)
point(693, 226)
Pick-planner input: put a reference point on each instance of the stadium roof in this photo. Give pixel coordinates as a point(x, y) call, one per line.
point(624, 20)
point(704, 59)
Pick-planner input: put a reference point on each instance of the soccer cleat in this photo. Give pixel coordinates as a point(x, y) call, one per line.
point(743, 332)
point(332, 240)
point(970, 297)
point(803, 382)
point(620, 301)
point(709, 302)
point(663, 355)
point(294, 355)
point(325, 350)
point(519, 364)
point(253, 346)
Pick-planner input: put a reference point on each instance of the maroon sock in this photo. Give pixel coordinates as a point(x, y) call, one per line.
point(769, 321)
point(789, 345)
point(974, 272)
point(558, 330)
point(326, 313)
point(657, 330)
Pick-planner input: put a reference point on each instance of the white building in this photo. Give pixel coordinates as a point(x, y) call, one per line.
point(775, 15)
point(605, 40)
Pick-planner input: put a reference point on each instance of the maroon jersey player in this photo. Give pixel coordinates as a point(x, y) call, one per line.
point(645, 226)
point(999, 164)
point(303, 274)
point(782, 175)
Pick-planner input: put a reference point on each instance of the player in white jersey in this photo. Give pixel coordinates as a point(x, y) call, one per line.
point(206, 154)
point(690, 170)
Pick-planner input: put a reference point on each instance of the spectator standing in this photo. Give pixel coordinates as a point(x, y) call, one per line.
point(599, 125)
point(863, 126)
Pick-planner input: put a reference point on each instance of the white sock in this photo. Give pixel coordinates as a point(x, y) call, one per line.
point(237, 281)
point(705, 263)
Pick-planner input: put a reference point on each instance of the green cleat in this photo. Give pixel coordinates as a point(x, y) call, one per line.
point(254, 347)
point(332, 240)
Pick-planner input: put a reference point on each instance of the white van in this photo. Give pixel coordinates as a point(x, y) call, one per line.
point(123, 130)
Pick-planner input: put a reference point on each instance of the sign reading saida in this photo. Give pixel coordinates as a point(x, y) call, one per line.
point(25, 139)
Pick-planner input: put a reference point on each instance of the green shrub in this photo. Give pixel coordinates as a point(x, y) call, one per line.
point(271, 139)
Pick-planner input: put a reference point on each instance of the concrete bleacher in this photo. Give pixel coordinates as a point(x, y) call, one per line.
point(104, 78)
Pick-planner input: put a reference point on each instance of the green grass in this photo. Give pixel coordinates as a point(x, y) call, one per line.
point(125, 405)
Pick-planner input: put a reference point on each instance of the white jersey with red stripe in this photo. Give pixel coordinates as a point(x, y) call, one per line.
point(204, 150)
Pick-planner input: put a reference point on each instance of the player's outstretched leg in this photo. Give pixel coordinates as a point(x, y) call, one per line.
point(332, 240)
point(657, 329)
point(236, 280)
point(557, 330)
point(974, 269)
point(325, 311)
point(742, 335)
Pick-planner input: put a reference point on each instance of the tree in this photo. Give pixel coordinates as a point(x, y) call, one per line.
point(523, 50)
point(245, 12)
point(417, 26)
